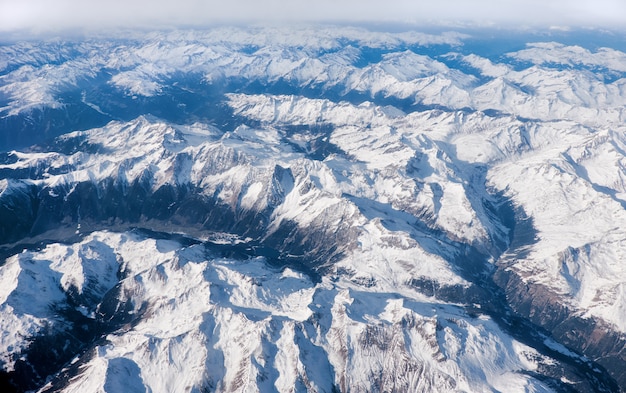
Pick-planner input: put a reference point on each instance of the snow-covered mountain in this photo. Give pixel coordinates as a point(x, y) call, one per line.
point(312, 209)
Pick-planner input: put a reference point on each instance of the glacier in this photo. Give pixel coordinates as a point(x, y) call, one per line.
point(312, 209)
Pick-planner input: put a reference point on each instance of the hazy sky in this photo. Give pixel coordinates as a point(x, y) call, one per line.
point(45, 15)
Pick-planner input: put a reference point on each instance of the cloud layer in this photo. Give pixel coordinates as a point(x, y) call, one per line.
point(46, 15)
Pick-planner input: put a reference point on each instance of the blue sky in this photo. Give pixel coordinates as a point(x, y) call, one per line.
point(47, 15)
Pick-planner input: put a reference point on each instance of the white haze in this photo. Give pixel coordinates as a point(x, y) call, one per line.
point(49, 15)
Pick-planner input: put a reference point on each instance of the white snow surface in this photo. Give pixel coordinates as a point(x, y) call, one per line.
point(240, 325)
point(565, 175)
point(326, 58)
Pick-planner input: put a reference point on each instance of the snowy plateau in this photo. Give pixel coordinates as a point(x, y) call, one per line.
point(313, 209)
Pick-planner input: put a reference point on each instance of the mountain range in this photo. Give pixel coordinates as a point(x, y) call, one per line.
point(313, 209)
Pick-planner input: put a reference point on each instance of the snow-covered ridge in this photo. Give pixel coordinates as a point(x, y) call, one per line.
point(200, 322)
point(314, 59)
point(419, 163)
point(572, 167)
point(384, 161)
point(252, 171)
point(556, 53)
point(328, 206)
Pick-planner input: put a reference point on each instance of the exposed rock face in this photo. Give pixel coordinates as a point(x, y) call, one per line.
point(593, 338)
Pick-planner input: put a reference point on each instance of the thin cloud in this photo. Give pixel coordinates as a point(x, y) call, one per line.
point(47, 15)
